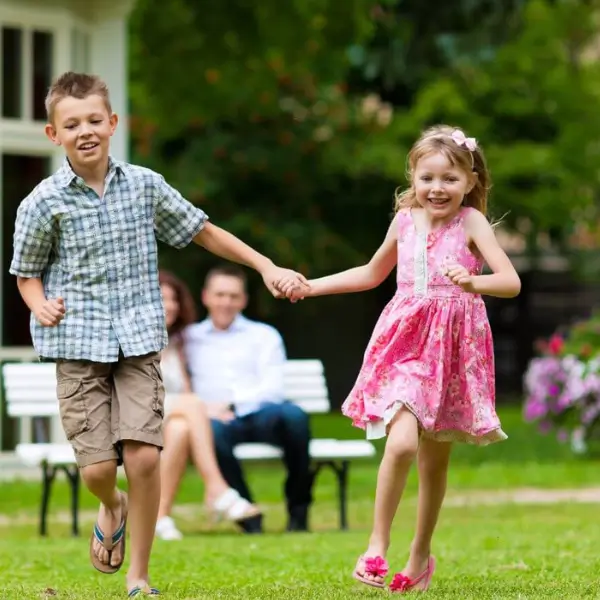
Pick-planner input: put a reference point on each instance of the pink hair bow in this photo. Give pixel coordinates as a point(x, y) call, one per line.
point(461, 140)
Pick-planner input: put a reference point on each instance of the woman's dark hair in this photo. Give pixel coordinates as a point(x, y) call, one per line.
point(187, 308)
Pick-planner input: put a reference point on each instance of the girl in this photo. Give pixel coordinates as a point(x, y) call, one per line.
point(187, 430)
point(427, 379)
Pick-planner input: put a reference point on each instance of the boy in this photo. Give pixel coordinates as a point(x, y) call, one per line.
point(85, 257)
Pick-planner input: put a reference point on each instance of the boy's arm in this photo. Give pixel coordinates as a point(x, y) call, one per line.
point(226, 245)
point(32, 244)
point(177, 222)
point(48, 313)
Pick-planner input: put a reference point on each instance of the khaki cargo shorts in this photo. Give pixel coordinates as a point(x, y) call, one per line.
point(104, 404)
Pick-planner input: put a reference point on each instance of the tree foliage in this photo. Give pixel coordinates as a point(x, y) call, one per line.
point(290, 122)
point(201, 61)
point(534, 106)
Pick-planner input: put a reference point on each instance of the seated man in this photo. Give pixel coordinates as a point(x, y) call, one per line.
point(236, 366)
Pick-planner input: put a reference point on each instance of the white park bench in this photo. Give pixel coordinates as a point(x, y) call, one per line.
point(30, 396)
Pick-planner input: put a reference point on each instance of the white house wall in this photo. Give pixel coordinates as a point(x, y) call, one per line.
point(108, 49)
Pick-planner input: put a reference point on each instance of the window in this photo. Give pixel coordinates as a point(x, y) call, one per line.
point(27, 68)
point(42, 72)
point(12, 72)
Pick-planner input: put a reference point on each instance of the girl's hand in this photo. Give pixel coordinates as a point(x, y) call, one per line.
point(460, 276)
point(280, 281)
point(298, 293)
point(294, 292)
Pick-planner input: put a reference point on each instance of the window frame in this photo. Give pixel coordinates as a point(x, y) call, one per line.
point(64, 26)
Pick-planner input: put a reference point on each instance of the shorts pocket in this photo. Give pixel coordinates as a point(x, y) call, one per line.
point(73, 407)
point(158, 397)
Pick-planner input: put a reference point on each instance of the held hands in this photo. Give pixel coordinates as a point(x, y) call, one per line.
point(461, 277)
point(297, 293)
point(51, 312)
point(285, 283)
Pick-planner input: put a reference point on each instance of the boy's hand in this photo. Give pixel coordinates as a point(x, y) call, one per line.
point(51, 312)
point(280, 281)
point(461, 277)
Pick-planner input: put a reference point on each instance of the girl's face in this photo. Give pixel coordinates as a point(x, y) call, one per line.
point(170, 303)
point(440, 187)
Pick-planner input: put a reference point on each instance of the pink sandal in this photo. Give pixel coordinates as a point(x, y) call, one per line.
point(376, 566)
point(402, 584)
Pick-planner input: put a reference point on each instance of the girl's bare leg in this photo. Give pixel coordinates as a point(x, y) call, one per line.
point(400, 450)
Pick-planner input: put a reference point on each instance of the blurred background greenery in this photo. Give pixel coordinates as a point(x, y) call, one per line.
point(289, 123)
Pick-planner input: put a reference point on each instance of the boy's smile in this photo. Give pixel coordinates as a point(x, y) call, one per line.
point(83, 126)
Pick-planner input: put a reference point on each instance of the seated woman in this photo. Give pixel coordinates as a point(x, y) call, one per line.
point(187, 430)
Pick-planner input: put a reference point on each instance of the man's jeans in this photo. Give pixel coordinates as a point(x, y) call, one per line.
point(284, 425)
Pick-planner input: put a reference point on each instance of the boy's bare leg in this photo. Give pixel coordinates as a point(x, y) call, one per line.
point(101, 480)
point(142, 467)
point(89, 384)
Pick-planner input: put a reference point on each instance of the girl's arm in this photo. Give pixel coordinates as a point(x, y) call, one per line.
point(365, 277)
point(504, 282)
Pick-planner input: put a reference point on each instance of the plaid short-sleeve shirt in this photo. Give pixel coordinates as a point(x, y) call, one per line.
point(100, 255)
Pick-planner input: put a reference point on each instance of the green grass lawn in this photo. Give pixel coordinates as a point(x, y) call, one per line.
point(502, 551)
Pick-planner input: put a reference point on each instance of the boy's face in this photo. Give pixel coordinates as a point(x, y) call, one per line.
point(84, 128)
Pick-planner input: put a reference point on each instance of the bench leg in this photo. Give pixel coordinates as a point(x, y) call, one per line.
point(72, 474)
point(341, 472)
point(48, 475)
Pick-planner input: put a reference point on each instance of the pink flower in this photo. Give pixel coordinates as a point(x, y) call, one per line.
point(372, 418)
point(555, 345)
point(400, 583)
point(534, 410)
point(377, 566)
point(554, 390)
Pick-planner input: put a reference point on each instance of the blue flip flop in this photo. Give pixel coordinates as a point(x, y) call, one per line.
point(118, 537)
point(146, 591)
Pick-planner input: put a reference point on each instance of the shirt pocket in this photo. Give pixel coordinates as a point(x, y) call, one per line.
point(80, 241)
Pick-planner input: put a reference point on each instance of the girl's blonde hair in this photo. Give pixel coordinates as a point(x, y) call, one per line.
point(440, 139)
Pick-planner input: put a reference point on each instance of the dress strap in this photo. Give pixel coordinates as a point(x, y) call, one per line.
point(404, 220)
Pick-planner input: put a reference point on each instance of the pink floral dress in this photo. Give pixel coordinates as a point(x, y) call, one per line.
point(431, 350)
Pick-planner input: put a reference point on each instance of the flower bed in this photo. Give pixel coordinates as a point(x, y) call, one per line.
point(562, 385)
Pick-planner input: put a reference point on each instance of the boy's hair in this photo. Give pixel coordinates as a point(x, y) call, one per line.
point(228, 271)
point(440, 139)
point(77, 85)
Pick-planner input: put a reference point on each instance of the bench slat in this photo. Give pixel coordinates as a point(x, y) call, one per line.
point(39, 409)
point(30, 396)
point(303, 366)
point(319, 450)
point(323, 449)
point(315, 406)
point(30, 388)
